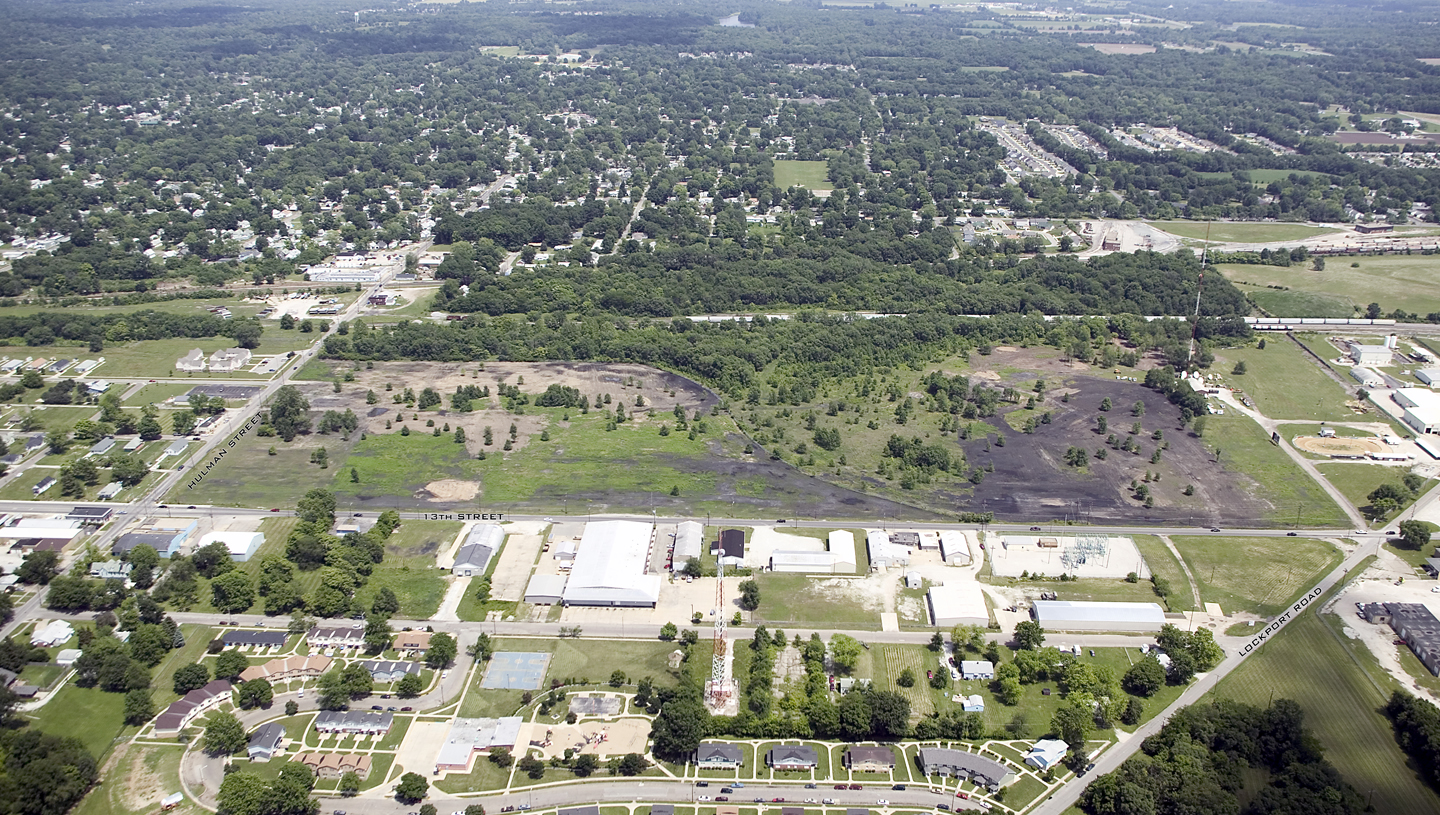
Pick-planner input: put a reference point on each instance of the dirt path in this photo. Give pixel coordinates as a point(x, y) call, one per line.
point(450, 605)
point(1184, 567)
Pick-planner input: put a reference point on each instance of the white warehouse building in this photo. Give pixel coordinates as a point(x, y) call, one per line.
point(957, 604)
point(1371, 354)
point(610, 568)
point(1422, 409)
point(1366, 377)
point(1083, 615)
point(689, 543)
point(839, 559)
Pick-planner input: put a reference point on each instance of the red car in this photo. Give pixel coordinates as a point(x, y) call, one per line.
point(839, 786)
point(722, 798)
point(777, 800)
point(856, 787)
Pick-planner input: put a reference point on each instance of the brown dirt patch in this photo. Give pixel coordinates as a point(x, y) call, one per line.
point(1338, 446)
point(449, 489)
point(1120, 48)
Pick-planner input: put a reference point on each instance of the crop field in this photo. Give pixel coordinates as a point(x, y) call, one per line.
point(1244, 447)
point(808, 174)
point(1308, 663)
point(1259, 575)
point(1284, 382)
point(1394, 281)
point(1240, 232)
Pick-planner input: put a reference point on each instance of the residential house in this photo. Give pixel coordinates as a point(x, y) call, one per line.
point(411, 642)
point(373, 722)
point(54, 633)
point(111, 570)
point(978, 769)
point(716, 755)
point(102, 447)
point(109, 491)
point(193, 362)
point(336, 636)
point(44, 484)
point(1046, 753)
point(265, 741)
point(792, 757)
point(386, 671)
point(977, 669)
point(229, 359)
point(256, 639)
point(869, 758)
point(283, 668)
point(182, 712)
point(333, 765)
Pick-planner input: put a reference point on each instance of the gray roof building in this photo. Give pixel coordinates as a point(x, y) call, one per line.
point(385, 671)
point(718, 755)
point(264, 639)
point(265, 741)
point(480, 545)
point(792, 757)
point(354, 721)
point(961, 764)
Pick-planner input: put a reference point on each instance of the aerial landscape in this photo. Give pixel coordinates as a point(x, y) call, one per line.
point(823, 407)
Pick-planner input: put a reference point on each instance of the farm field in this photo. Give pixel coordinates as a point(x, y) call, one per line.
point(808, 174)
point(1394, 281)
point(1258, 575)
point(1284, 382)
point(1311, 665)
point(1240, 232)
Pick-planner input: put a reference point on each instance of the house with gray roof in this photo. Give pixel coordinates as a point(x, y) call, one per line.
point(960, 764)
point(792, 757)
point(265, 741)
point(716, 755)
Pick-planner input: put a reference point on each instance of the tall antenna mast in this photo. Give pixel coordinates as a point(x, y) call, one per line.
point(719, 694)
point(1199, 287)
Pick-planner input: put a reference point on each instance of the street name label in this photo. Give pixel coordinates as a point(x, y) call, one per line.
point(464, 516)
point(1279, 622)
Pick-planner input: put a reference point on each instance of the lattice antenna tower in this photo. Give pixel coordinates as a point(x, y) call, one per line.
point(717, 659)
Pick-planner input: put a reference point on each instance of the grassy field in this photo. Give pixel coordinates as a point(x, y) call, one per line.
point(585, 661)
point(157, 357)
point(1240, 232)
point(416, 306)
point(1163, 563)
point(1259, 575)
point(91, 715)
point(248, 476)
point(1243, 446)
point(156, 393)
point(1393, 281)
point(1284, 382)
point(1297, 303)
point(418, 589)
point(808, 174)
point(1310, 664)
point(1358, 480)
point(787, 600)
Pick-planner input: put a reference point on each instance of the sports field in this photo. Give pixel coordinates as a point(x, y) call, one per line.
point(1308, 663)
point(807, 174)
point(1260, 575)
point(1242, 232)
point(1394, 281)
point(1284, 382)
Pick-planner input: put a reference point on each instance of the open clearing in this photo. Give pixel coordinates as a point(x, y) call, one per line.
point(1285, 382)
point(1245, 448)
point(1119, 48)
point(1258, 575)
point(1394, 281)
point(808, 174)
point(1240, 232)
point(1309, 664)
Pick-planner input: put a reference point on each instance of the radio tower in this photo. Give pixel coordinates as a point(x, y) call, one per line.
point(1199, 287)
point(719, 693)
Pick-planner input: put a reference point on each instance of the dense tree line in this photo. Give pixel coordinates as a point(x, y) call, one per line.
point(1417, 729)
point(1196, 763)
point(47, 327)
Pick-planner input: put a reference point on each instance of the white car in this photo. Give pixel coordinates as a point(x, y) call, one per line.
point(983, 805)
point(703, 798)
point(882, 802)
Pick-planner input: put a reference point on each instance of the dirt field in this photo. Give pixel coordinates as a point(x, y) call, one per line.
point(1032, 482)
point(1339, 446)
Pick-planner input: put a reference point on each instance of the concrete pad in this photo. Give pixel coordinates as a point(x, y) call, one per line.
point(889, 621)
point(517, 560)
point(420, 747)
point(450, 604)
point(1213, 609)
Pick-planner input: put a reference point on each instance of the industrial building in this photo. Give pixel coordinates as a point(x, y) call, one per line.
point(959, 603)
point(730, 548)
point(1415, 624)
point(480, 545)
point(883, 552)
point(610, 568)
point(1430, 376)
point(839, 558)
point(1421, 409)
point(1371, 354)
point(59, 529)
point(689, 543)
point(1366, 377)
point(1084, 615)
point(954, 548)
point(166, 535)
point(545, 590)
point(241, 545)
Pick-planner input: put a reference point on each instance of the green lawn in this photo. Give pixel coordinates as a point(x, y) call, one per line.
point(1228, 232)
point(1311, 664)
point(196, 638)
point(1243, 446)
point(1259, 575)
point(21, 488)
point(418, 589)
point(157, 357)
point(1284, 382)
point(416, 543)
point(93, 716)
point(249, 476)
point(808, 174)
point(1163, 563)
point(157, 392)
point(1357, 480)
point(1393, 281)
point(1294, 303)
point(416, 306)
point(790, 600)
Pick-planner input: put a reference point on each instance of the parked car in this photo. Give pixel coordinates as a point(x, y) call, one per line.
point(703, 798)
point(727, 790)
point(376, 707)
point(944, 807)
point(1292, 534)
point(406, 709)
point(722, 798)
point(882, 802)
point(841, 787)
point(810, 786)
point(702, 783)
point(856, 787)
point(899, 787)
point(1034, 529)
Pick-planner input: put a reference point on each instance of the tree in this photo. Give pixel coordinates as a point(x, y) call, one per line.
point(906, 679)
point(377, 634)
point(289, 413)
point(349, 784)
point(633, 764)
point(317, 509)
point(844, 652)
point(1415, 534)
point(409, 686)
point(58, 441)
point(1239, 369)
point(532, 767)
point(385, 602)
point(889, 714)
point(441, 652)
point(668, 632)
point(190, 677)
point(230, 663)
point(501, 757)
point(139, 707)
point(242, 793)
point(39, 567)
point(224, 734)
point(1074, 721)
point(1145, 677)
point(144, 560)
point(474, 809)
point(182, 422)
point(292, 707)
point(1182, 667)
point(212, 559)
point(1029, 635)
point(585, 765)
point(412, 788)
point(678, 728)
point(128, 469)
point(749, 595)
point(1134, 711)
point(149, 428)
point(256, 693)
point(232, 592)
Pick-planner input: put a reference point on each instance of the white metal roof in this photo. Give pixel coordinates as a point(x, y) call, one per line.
point(1089, 611)
point(237, 542)
point(50, 528)
point(689, 539)
point(952, 544)
point(822, 560)
point(546, 585)
point(611, 563)
point(958, 601)
point(841, 544)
